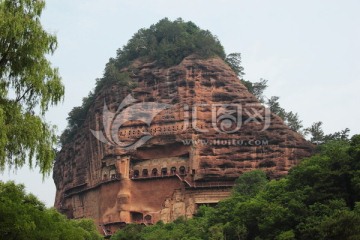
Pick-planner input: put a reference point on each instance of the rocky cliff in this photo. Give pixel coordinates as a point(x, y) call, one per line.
point(202, 130)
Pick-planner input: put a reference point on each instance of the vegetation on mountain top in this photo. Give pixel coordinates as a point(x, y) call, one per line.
point(168, 43)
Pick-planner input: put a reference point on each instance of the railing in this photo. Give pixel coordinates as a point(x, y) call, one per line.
point(155, 176)
point(212, 184)
point(107, 232)
point(182, 178)
point(192, 184)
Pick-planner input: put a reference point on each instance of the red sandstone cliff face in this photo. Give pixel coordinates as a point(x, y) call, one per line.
point(194, 153)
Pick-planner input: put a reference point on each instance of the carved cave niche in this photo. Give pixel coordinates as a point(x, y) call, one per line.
point(154, 172)
point(148, 219)
point(108, 172)
point(136, 173)
point(136, 217)
point(112, 172)
point(164, 171)
point(182, 170)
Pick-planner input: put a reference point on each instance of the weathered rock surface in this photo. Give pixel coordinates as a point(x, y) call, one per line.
point(196, 152)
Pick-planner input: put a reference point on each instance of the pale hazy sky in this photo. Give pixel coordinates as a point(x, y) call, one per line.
point(308, 50)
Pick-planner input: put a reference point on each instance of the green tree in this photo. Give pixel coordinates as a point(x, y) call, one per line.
point(130, 232)
point(168, 43)
point(316, 132)
point(317, 135)
point(77, 115)
point(293, 121)
point(28, 85)
point(342, 224)
point(287, 235)
point(257, 88)
point(23, 216)
point(216, 232)
point(341, 135)
point(234, 61)
point(275, 108)
point(250, 183)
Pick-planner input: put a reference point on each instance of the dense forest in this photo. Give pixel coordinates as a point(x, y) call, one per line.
point(319, 199)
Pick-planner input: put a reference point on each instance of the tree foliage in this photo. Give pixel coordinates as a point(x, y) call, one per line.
point(234, 61)
point(169, 42)
point(317, 135)
point(28, 84)
point(257, 88)
point(318, 199)
point(77, 115)
point(291, 119)
point(23, 216)
point(250, 183)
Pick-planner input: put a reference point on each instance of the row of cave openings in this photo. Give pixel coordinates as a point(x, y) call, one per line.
point(141, 130)
point(137, 217)
point(155, 173)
